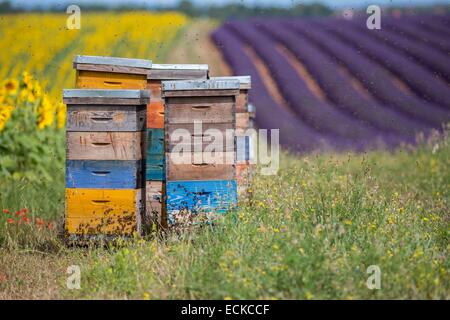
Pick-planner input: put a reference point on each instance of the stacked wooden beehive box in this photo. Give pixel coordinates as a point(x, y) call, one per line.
point(244, 139)
point(155, 173)
point(119, 151)
point(200, 149)
point(110, 116)
point(105, 149)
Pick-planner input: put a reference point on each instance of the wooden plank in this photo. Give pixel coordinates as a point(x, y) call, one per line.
point(200, 85)
point(177, 74)
point(106, 174)
point(106, 101)
point(113, 61)
point(105, 118)
point(185, 136)
point(103, 211)
point(200, 93)
point(242, 101)
point(204, 109)
point(245, 82)
point(242, 120)
point(105, 93)
point(251, 110)
point(193, 202)
point(105, 145)
point(207, 169)
point(155, 115)
point(110, 80)
point(155, 169)
point(180, 66)
point(155, 89)
point(243, 173)
point(155, 142)
point(109, 68)
point(154, 190)
point(155, 204)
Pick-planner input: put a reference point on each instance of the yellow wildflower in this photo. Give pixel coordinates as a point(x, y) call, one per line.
point(227, 298)
point(23, 94)
point(348, 222)
point(37, 89)
point(46, 113)
point(391, 220)
point(146, 296)
point(31, 97)
point(5, 114)
point(61, 115)
point(418, 253)
point(27, 79)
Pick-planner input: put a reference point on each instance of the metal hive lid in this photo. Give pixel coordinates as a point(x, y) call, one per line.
point(242, 79)
point(114, 61)
point(199, 67)
point(179, 85)
point(99, 93)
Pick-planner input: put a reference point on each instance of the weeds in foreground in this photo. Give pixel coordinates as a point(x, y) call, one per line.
point(311, 232)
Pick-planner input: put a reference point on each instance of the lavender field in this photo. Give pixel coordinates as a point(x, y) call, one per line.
point(333, 84)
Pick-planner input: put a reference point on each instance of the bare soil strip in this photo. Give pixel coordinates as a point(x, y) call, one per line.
point(303, 73)
point(266, 77)
point(194, 45)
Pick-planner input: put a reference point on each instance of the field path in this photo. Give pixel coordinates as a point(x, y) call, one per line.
point(193, 45)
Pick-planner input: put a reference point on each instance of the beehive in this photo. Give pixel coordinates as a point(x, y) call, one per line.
point(200, 183)
point(245, 142)
point(155, 175)
point(97, 72)
point(104, 169)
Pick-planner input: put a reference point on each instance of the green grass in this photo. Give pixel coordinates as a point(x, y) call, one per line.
point(308, 233)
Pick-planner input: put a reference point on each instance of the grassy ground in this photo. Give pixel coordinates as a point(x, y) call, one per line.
point(308, 233)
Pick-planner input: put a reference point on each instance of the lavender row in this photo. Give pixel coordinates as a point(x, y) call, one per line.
point(318, 114)
point(422, 53)
point(370, 74)
point(419, 79)
point(294, 134)
point(338, 87)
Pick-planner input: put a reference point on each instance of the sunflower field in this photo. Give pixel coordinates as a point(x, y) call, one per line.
point(36, 54)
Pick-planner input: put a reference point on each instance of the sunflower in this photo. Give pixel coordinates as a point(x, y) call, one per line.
point(10, 86)
point(5, 114)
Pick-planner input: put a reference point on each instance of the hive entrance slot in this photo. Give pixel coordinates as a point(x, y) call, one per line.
point(100, 144)
point(100, 201)
point(112, 83)
point(101, 173)
point(101, 119)
point(201, 108)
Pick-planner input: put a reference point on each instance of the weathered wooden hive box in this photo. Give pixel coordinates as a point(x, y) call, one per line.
point(97, 72)
point(105, 152)
point(245, 141)
point(200, 149)
point(155, 173)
